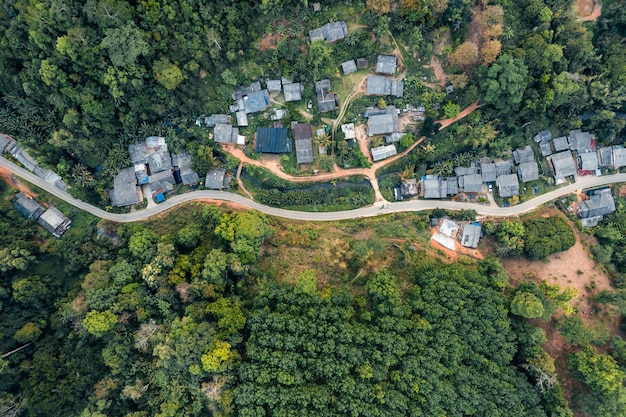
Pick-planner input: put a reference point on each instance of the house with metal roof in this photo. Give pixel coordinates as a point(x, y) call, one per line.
point(6, 143)
point(138, 153)
point(528, 171)
point(242, 91)
point(212, 120)
point(162, 182)
point(588, 161)
point(292, 91)
point(24, 158)
point(599, 204)
point(605, 156)
point(543, 136)
point(216, 179)
point(394, 137)
point(580, 141)
point(378, 85)
point(362, 63)
point(242, 118)
point(331, 32)
point(273, 86)
point(303, 139)
point(452, 186)
point(434, 187)
point(619, 157)
point(471, 183)
point(155, 144)
point(54, 222)
point(184, 172)
point(348, 67)
point(546, 147)
point(508, 186)
point(503, 168)
point(272, 140)
point(326, 101)
point(383, 123)
point(125, 191)
point(27, 206)
point(386, 64)
point(225, 133)
point(470, 236)
point(563, 165)
point(488, 172)
point(460, 171)
point(159, 161)
point(525, 154)
point(383, 152)
point(256, 102)
point(560, 144)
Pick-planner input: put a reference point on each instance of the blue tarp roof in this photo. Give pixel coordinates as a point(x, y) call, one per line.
point(160, 198)
point(272, 140)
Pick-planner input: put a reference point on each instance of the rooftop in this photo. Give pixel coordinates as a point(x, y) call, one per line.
point(546, 147)
point(386, 64)
point(560, 144)
point(54, 222)
point(522, 155)
point(544, 135)
point(580, 141)
point(27, 206)
point(619, 157)
point(471, 183)
point(332, 32)
point(563, 164)
point(409, 187)
point(292, 91)
point(383, 152)
point(488, 172)
point(125, 191)
point(381, 86)
point(471, 235)
point(214, 119)
point(272, 140)
point(588, 161)
point(508, 186)
point(223, 133)
point(349, 67)
point(435, 188)
point(273, 86)
point(138, 153)
point(600, 203)
point(162, 182)
point(159, 161)
point(216, 179)
point(187, 175)
point(348, 130)
point(304, 144)
point(503, 167)
point(256, 101)
point(528, 171)
point(383, 124)
point(243, 91)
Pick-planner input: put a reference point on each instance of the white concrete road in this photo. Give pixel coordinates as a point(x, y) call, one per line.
point(375, 210)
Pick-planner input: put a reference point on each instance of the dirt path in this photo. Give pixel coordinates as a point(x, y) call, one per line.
point(240, 183)
point(274, 167)
point(440, 74)
point(358, 90)
point(589, 10)
point(363, 141)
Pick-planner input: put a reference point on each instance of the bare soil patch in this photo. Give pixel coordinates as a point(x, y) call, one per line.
point(14, 183)
point(588, 9)
point(269, 41)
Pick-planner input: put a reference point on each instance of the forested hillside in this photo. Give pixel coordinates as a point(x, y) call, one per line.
point(182, 321)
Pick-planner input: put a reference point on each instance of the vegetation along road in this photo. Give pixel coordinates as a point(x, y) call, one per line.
point(377, 209)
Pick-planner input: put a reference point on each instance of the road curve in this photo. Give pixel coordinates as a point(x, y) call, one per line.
point(377, 209)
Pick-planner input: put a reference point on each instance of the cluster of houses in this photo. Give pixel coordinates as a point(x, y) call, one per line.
point(155, 172)
point(576, 154)
point(52, 219)
point(448, 233)
point(9, 145)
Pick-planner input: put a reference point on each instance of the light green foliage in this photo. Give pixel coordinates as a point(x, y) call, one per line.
point(246, 232)
point(156, 271)
point(99, 323)
point(506, 83)
point(28, 333)
point(575, 332)
point(305, 283)
point(220, 352)
point(29, 291)
point(451, 110)
point(142, 244)
point(527, 305)
point(510, 237)
point(125, 44)
point(189, 236)
point(407, 140)
point(167, 74)
point(15, 258)
point(229, 314)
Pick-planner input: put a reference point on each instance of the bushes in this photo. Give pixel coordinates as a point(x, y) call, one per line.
point(354, 197)
point(545, 236)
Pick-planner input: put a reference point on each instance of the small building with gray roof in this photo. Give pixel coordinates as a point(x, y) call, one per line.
point(292, 92)
point(471, 183)
point(508, 186)
point(212, 120)
point(619, 157)
point(522, 155)
point(349, 67)
point(563, 165)
point(605, 156)
point(125, 191)
point(488, 172)
point(528, 171)
point(331, 32)
point(588, 161)
point(383, 152)
point(434, 187)
point(600, 203)
point(545, 147)
point(6, 143)
point(543, 136)
point(54, 222)
point(560, 144)
point(162, 182)
point(216, 179)
point(470, 236)
point(182, 163)
point(386, 64)
point(303, 139)
point(27, 206)
point(273, 86)
point(378, 85)
point(362, 63)
point(159, 161)
point(225, 133)
point(383, 123)
point(242, 118)
point(580, 141)
point(503, 168)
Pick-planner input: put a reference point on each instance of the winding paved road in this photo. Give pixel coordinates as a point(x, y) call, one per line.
point(377, 209)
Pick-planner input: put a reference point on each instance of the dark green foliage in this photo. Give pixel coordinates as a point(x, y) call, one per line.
point(545, 236)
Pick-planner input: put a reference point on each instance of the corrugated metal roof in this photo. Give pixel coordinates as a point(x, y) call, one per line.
point(272, 140)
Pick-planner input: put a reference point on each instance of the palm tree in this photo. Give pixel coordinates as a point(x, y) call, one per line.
point(324, 140)
point(407, 173)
